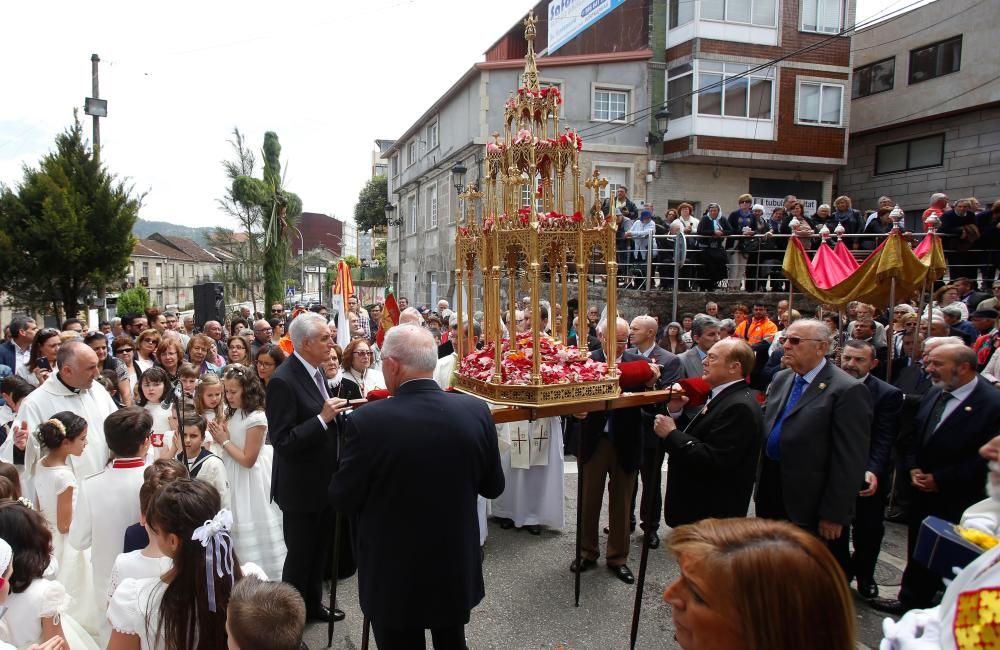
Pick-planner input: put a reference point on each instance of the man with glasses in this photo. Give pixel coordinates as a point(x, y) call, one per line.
point(364, 324)
point(261, 336)
point(817, 425)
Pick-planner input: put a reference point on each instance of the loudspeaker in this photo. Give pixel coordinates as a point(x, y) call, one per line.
point(209, 303)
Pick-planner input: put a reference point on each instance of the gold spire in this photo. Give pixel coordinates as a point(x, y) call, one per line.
point(530, 77)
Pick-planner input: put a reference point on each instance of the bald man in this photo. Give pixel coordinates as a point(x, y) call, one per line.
point(642, 337)
point(72, 389)
point(411, 316)
point(960, 414)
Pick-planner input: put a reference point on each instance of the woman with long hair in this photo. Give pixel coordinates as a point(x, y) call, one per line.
point(671, 340)
point(239, 350)
point(42, 357)
point(266, 361)
point(180, 610)
point(358, 366)
point(757, 584)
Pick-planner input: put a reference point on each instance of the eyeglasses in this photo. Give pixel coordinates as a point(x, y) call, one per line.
point(742, 202)
point(124, 351)
point(795, 340)
point(266, 329)
point(277, 311)
point(359, 353)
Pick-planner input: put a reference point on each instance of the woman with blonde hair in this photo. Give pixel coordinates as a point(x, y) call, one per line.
point(145, 351)
point(757, 584)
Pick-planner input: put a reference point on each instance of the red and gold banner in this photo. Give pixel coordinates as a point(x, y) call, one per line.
point(834, 277)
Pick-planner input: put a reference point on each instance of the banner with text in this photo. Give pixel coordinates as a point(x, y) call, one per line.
point(568, 18)
point(809, 206)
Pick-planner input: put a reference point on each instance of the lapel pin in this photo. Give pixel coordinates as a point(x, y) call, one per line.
point(968, 409)
point(822, 386)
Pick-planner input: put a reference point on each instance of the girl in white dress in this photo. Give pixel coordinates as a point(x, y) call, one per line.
point(180, 609)
point(240, 442)
point(208, 403)
point(37, 607)
point(155, 395)
point(64, 435)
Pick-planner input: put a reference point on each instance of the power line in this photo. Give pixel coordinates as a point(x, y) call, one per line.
point(605, 129)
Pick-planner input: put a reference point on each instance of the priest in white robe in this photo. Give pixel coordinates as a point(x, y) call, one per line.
point(531, 454)
point(71, 389)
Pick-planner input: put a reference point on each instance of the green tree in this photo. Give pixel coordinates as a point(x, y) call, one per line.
point(381, 246)
point(352, 261)
point(369, 212)
point(133, 301)
point(67, 228)
point(278, 208)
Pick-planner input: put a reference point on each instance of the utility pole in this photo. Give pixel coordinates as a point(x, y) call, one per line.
point(94, 61)
point(98, 108)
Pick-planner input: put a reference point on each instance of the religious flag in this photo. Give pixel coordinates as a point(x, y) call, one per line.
point(390, 316)
point(345, 283)
point(342, 290)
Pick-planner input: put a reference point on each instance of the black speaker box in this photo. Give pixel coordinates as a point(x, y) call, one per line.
point(209, 303)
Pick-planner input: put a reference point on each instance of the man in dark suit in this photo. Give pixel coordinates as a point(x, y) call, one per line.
point(414, 465)
point(642, 336)
point(611, 451)
point(817, 420)
point(858, 359)
point(713, 460)
point(969, 294)
point(704, 334)
point(958, 416)
point(301, 421)
point(22, 333)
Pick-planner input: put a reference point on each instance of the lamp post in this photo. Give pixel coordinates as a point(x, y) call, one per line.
point(302, 262)
point(394, 222)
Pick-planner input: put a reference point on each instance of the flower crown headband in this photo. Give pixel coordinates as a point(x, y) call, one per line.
point(57, 424)
point(214, 536)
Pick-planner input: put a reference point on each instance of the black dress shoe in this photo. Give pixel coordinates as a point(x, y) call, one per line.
point(867, 589)
point(652, 540)
point(585, 565)
point(506, 524)
point(323, 614)
point(890, 606)
point(631, 529)
point(534, 529)
point(623, 573)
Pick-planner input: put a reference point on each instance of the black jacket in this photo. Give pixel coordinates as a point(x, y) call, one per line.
point(627, 435)
point(712, 462)
point(414, 465)
point(887, 403)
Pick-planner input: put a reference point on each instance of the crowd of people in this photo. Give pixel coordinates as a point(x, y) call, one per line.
point(153, 474)
point(739, 250)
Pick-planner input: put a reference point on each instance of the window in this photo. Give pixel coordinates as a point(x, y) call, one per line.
point(723, 92)
point(823, 16)
point(681, 12)
point(754, 12)
point(609, 105)
point(413, 215)
point(159, 273)
point(432, 135)
point(911, 154)
point(394, 165)
point(873, 78)
point(145, 270)
point(432, 207)
point(190, 270)
point(820, 103)
point(617, 176)
point(935, 60)
point(411, 153)
point(680, 82)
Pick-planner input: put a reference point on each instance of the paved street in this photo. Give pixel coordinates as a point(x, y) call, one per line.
point(529, 594)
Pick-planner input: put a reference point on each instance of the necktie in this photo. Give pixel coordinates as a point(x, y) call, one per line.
point(774, 439)
point(321, 384)
point(935, 417)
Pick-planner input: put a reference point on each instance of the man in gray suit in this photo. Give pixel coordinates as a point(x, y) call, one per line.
point(704, 334)
point(642, 337)
point(817, 423)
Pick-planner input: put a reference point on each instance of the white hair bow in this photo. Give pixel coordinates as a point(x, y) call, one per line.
point(214, 536)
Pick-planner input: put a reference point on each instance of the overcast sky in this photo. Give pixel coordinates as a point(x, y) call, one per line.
point(328, 78)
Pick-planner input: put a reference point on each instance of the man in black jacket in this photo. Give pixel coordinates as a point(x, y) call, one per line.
point(301, 418)
point(414, 465)
point(858, 359)
point(958, 416)
point(713, 455)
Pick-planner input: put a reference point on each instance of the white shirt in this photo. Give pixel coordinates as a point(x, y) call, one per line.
point(960, 395)
point(721, 387)
point(22, 357)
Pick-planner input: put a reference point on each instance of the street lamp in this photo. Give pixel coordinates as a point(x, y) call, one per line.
point(389, 209)
point(662, 120)
point(458, 171)
point(302, 261)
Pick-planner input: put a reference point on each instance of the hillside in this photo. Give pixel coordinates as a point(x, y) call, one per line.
point(145, 228)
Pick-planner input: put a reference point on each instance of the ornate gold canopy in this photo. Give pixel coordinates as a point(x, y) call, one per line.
point(528, 217)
